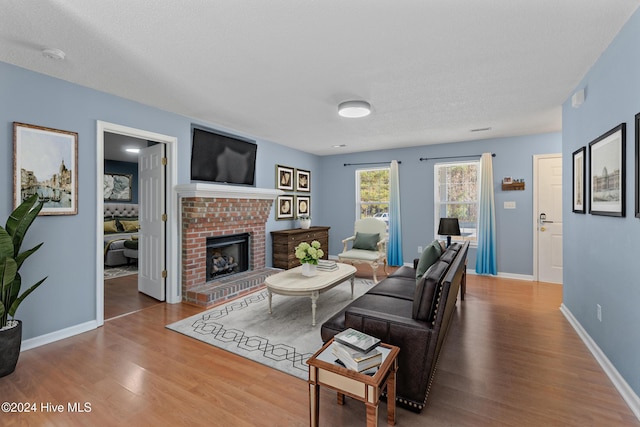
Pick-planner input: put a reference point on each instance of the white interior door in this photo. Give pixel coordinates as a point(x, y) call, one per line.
point(151, 254)
point(549, 218)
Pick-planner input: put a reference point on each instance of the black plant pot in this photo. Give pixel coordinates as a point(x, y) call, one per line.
point(10, 341)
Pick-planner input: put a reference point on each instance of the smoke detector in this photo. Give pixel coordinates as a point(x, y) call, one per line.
point(53, 53)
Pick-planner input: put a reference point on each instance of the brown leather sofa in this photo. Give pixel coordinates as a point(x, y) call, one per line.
point(411, 314)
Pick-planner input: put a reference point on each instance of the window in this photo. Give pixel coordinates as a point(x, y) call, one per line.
point(456, 195)
point(372, 193)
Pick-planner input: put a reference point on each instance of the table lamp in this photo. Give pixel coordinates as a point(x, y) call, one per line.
point(449, 227)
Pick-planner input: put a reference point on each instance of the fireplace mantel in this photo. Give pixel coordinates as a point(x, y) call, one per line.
point(226, 191)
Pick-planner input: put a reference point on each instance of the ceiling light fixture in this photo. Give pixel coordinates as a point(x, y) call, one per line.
point(481, 129)
point(53, 53)
point(132, 150)
point(339, 145)
point(354, 109)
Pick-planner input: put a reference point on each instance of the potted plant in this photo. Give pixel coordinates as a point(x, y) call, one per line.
point(309, 254)
point(11, 259)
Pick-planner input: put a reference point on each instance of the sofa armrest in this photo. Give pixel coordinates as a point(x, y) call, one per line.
point(346, 241)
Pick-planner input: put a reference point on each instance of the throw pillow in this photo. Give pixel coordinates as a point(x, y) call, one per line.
point(425, 298)
point(366, 241)
point(110, 226)
point(429, 256)
point(130, 226)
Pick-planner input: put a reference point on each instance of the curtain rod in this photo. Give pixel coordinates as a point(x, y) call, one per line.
point(370, 163)
point(453, 157)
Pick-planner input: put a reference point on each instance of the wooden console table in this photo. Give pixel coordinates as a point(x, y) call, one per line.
point(285, 241)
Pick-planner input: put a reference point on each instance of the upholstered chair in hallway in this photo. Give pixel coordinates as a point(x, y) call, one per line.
point(368, 245)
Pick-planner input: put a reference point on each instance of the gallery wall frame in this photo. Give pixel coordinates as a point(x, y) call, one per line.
point(637, 175)
point(607, 173)
point(284, 207)
point(303, 206)
point(117, 186)
point(303, 180)
point(579, 178)
point(284, 178)
point(45, 161)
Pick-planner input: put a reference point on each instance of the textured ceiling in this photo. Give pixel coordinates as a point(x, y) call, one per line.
point(276, 70)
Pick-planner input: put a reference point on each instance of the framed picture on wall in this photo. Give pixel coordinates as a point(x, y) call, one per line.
point(637, 183)
point(303, 206)
point(303, 180)
point(45, 162)
point(284, 178)
point(579, 178)
point(607, 173)
point(284, 207)
point(117, 186)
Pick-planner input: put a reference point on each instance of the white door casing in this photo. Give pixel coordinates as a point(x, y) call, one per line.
point(548, 218)
point(151, 253)
point(173, 291)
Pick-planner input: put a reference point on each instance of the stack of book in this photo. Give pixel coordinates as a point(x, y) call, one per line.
point(357, 350)
point(326, 265)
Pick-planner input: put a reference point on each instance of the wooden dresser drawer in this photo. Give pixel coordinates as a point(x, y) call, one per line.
point(284, 243)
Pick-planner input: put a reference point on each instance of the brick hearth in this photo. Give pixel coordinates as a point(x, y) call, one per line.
point(216, 210)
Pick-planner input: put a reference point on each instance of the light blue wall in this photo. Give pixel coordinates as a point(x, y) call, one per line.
point(601, 253)
point(68, 296)
point(514, 157)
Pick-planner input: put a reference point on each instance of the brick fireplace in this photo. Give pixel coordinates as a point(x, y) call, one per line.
point(212, 210)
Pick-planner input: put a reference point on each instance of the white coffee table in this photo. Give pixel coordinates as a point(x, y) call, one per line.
point(293, 283)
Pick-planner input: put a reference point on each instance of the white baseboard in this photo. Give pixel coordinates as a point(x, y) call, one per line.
point(619, 383)
point(58, 335)
point(514, 276)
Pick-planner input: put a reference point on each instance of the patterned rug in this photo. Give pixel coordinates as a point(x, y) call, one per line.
point(283, 340)
point(119, 271)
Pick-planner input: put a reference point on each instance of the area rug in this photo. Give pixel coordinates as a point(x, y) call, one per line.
point(119, 271)
point(283, 340)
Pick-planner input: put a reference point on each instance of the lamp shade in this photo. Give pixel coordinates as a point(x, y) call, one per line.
point(449, 227)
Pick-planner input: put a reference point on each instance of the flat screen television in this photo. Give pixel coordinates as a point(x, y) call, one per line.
point(216, 157)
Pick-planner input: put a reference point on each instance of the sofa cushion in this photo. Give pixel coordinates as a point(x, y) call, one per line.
point(397, 287)
point(424, 299)
point(130, 226)
point(448, 256)
point(405, 272)
point(366, 241)
point(429, 256)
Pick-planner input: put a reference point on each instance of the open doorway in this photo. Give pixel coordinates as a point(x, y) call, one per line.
point(122, 249)
point(117, 195)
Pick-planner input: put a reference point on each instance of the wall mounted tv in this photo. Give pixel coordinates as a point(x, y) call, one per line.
point(221, 158)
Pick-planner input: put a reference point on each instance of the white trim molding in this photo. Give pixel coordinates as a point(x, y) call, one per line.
point(618, 381)
point(503, 275)
point(58, 335)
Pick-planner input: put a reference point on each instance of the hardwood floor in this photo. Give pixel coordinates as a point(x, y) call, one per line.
point(121, 297)
point(511, 359)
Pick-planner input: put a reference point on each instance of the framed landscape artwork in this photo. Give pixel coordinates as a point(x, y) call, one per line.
point(284, 207)
point(303, 180)
point(303, 206)
point(117, 186)
point(579, 177)
point(607, 173)
point(637, 183)
point(284, 178)
point(45, 162)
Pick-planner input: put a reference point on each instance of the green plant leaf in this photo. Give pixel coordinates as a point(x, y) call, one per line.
point(21, 219)
point(8, 273)
point(16, 303)
point(6, 244)
point(24, 255)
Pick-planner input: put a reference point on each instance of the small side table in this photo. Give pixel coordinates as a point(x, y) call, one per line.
point(323, 371)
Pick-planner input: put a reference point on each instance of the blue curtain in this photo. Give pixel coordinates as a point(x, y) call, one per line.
point(394, 248)
point(486, 259)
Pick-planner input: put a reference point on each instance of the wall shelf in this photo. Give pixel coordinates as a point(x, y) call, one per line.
point(513, 186)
